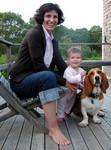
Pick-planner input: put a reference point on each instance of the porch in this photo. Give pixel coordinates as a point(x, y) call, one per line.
point(18, 134)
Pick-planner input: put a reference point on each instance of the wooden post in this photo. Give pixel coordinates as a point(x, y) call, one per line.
point(8, 56)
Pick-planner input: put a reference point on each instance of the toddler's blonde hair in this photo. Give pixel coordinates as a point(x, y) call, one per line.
point(73, 50)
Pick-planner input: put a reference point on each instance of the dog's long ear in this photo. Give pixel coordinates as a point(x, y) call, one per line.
point(105, 83)
point(88, 87)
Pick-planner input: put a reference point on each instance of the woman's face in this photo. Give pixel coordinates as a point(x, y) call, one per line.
point(50, 20)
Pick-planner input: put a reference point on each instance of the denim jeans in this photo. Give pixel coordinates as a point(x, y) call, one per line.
point(41, 83)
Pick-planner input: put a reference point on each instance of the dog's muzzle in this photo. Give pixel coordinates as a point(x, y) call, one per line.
point(97, 79)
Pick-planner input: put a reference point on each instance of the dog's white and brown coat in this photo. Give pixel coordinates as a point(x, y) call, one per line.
point(92, 97)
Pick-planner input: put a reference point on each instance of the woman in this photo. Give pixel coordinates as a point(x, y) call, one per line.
point(33, 74)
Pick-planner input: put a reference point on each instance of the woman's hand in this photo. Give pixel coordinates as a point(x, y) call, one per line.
point(70, 86)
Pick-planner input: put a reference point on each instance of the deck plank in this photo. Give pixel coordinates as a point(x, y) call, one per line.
point(5, 131)
point(25, 136)
point(13, 137)
point(76, 138)
point(103, 140)
point(88, 136)
point(37, 141)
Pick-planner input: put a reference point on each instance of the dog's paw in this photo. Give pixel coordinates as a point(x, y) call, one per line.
point(83, 123)
point(97, 121)
point(101, 113)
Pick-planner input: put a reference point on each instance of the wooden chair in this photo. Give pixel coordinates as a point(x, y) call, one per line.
point(14, 106)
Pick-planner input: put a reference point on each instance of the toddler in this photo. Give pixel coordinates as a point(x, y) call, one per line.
point(75, 75)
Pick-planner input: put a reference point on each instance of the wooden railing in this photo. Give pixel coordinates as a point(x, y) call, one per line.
point(8, 53)
point(84, 63)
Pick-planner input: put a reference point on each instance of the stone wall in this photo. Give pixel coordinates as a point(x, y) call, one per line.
point(106, 49)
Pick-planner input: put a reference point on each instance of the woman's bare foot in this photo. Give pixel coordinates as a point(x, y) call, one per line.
point(58, 137)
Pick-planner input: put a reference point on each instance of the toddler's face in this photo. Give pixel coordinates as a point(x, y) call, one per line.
point(74, 60)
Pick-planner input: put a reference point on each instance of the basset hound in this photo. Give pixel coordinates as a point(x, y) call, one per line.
point(91, 98)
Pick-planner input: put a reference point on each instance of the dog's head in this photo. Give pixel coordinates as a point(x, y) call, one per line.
point(95, 77)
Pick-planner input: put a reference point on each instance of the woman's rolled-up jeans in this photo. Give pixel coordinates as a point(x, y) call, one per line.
point(42, 83)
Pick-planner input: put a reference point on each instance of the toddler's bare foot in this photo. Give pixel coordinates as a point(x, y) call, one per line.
point(67, 115)
point(58, 137)
point(60, 119)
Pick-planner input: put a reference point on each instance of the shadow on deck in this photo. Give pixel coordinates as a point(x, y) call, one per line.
point(17, 134)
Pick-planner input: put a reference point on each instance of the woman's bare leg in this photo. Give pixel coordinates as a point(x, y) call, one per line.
point(54, 130)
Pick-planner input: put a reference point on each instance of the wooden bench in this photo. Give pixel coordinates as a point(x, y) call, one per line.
point(14, 106)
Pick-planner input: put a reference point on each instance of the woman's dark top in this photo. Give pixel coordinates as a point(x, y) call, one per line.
point(31, 57)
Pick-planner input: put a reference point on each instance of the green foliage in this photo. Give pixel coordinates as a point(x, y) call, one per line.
point(61, 33)
point(96, 37)
point(2, 59)
point(80, 35)
point(12, 27)
point(89, 54)
point(96, 34)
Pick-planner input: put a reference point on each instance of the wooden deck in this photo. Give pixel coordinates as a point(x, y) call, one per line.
point(17, 134)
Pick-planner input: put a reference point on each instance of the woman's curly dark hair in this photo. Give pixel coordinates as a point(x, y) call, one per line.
point(39, 16)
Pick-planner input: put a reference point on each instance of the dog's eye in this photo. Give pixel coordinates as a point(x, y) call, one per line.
point(99, 72)
point(91, 73)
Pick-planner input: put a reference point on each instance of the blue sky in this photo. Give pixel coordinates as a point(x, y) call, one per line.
point(77, 13)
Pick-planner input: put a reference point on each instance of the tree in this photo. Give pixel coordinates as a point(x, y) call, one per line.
point(12, 28)
point(96, 37)
point(80, 35)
